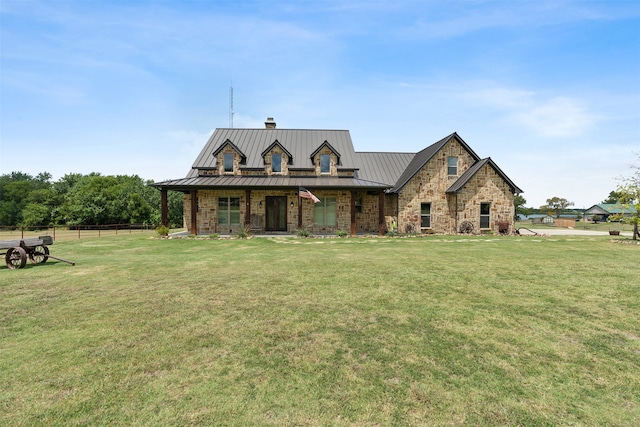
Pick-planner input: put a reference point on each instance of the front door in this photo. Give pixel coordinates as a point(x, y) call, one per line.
point(276, 213)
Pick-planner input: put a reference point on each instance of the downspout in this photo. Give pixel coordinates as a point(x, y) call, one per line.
point(455, 217)
point(397, 212)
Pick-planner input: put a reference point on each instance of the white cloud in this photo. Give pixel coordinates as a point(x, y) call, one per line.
point(558, 117)
point(555, 117)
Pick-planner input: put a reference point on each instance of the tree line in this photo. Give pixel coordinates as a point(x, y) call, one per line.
point(77, 199)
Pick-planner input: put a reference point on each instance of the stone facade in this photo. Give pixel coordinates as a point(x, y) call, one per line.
point(482, 200)
point(448, 211)
point(207, 215)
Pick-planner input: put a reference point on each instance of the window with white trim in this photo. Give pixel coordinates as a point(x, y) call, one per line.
point(228, 210)
point(276, 163)
point(324, 213)
point(228, 162)
point(425, 215)
point(452, 166)
point(325, 163)
point(485, 215)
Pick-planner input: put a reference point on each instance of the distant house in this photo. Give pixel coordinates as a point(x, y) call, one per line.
point(605, 210)
point(260, 179)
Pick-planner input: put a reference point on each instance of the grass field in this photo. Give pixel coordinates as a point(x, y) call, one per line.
point(323, 332)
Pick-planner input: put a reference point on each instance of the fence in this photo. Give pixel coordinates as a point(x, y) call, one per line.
point(68, 232)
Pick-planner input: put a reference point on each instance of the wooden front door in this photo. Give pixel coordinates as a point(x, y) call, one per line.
point(276, 211)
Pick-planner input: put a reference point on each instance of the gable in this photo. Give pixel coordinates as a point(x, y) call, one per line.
point(424, 156)
point(460, 183)
point(272, 147)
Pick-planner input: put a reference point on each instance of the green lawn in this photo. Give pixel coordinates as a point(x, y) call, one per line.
point(324, 332)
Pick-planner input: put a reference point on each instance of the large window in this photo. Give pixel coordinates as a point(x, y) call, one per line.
point(452, 165)
point(228, 162)
point(276, 163)
point(425, 215)
point(485, 215)
point(229, 211)
point(325, 212)
point(325, 163)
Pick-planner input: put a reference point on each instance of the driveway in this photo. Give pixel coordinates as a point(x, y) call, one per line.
point(568, 232)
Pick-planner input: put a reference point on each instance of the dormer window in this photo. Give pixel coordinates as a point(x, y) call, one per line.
point(276, 163)
point(228, 162)
point(325, 163)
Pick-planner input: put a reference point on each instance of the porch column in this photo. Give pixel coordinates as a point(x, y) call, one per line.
point(299, 211)
point(247, 211)
point(194, 212)
point(353, 213)
point(164, 207)
point(381, 213)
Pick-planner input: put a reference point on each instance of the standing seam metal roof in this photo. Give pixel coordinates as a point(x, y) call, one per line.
point(421, 159)
point(299, 142)
point(372, 169)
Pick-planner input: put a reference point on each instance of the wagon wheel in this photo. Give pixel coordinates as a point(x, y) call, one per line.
point(39, 255)
point(15, 257)
point(466, 227)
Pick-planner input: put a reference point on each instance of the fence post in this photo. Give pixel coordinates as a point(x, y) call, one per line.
point(22, 231)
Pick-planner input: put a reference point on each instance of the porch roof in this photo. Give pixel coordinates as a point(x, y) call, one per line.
point(272, 182)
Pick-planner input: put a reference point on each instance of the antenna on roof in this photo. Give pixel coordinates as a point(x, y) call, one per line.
point(231, 105)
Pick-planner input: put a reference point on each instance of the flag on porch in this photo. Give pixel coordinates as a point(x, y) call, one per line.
point(306, 194)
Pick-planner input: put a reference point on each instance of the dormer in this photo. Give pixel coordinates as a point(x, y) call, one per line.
point(276, 159)
point(229, 158)
point(326, 160)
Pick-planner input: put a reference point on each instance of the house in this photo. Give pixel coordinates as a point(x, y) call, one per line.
point(604, 210)
point(254, 177)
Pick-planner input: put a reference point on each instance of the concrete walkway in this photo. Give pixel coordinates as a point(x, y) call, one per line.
point(557, 231)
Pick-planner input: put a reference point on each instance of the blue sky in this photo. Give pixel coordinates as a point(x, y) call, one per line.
point(550, 90)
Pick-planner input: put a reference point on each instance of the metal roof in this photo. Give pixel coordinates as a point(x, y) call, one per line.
point(421, 159)
point(254, 182)
point(380, 170)
point(470, 173)
point(301, 143)
point(382, 167)
point(610, 209)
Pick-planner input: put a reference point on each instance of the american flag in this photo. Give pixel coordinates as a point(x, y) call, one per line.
point(306, 194)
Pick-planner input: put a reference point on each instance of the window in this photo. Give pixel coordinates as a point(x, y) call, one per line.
point(452, 165)
point(485, 214)
point(425, 215)
point(229, 210)
point(276, 163)
point(228, 162)
point(325, 211)
point(325, 163)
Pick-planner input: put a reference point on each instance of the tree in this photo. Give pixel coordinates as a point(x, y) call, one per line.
point(17, 190)
point(630, 197)
point(613, 198)
point(556, 205)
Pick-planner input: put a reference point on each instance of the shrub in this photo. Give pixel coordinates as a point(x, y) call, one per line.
point(342, 233)
point(303, 232)
point(243, 233)
point(163, 231)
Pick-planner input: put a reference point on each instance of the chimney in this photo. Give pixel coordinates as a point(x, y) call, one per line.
point(270, 123)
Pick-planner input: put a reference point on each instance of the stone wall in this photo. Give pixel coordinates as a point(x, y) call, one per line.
point(429, 185)
point(486, 187)
point(207, 218)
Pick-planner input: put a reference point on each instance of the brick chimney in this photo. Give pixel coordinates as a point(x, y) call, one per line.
point(270, 123)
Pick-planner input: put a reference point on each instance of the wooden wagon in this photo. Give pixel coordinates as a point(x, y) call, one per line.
point(34, 249)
